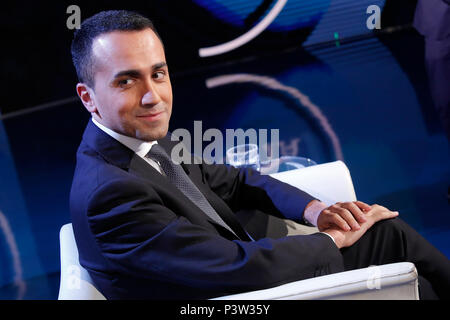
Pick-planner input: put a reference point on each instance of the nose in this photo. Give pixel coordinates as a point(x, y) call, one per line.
point(151, 96)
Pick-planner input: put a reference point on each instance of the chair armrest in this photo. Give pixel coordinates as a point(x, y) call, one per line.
point(396, 281)
point(329, 182)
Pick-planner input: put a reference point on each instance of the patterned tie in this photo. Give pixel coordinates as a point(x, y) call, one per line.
point(180, 179)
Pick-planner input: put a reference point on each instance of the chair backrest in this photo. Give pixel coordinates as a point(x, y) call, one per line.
point(330, 182)
point(76, 284)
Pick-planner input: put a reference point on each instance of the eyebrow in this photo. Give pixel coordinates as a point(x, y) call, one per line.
point(136, 73)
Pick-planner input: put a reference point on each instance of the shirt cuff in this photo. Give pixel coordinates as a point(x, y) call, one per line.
point(312, 213)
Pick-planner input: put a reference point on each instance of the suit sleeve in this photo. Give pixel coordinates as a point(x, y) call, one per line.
point(248, 189)
point(141, 237)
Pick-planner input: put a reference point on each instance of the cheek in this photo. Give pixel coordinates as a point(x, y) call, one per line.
point(123, 104)
point(122, 109)
point(169, 110)
point(167, 97)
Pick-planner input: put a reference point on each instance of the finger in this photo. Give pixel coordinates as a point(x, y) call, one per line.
point(341, 223)
point(356, 212)
point(386, 214)
point(389, 214)
point(343, 219)
point(393, 214)
point(379, 207)
point(362, 205)
point(349, 218)
point(349, 212)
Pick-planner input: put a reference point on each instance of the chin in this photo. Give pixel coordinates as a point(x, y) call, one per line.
point(152, 135)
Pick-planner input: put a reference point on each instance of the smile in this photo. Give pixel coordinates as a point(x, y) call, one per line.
point(152, 116)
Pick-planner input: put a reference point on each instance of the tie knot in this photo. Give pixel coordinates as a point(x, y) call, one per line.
point(158, 153)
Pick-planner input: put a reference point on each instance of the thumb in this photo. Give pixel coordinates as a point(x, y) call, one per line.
point(393, 214)
point(363, 205)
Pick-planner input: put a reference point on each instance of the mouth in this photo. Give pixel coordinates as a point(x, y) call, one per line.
point(151, 116)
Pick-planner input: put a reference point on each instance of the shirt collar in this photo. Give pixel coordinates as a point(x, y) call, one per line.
point(141, 148)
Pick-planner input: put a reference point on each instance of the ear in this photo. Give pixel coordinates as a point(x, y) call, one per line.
point(86, 95)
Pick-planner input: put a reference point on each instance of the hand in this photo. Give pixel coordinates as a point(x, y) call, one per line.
point(344, 215)
point(347, 238)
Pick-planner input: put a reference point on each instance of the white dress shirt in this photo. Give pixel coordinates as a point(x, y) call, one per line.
point(141, 148)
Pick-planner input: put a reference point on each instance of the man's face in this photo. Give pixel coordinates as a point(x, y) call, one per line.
point(132, 94)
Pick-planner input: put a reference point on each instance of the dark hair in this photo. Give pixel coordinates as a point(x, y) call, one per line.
point(102, 22)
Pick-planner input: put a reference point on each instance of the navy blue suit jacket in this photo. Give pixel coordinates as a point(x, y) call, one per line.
point(139, 237)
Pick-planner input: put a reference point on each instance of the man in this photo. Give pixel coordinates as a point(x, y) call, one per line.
point(147, 228)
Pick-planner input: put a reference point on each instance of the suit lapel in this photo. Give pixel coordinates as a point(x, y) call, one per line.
point(225, 212)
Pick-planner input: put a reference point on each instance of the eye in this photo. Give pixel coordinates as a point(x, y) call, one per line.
point(125, 82)
point(159, 75)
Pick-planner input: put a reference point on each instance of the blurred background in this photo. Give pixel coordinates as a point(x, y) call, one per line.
point(371, 105)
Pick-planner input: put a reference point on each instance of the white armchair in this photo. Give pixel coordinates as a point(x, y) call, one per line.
point(329, 182)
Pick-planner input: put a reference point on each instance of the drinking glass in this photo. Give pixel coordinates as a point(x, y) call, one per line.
point(244, 155)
